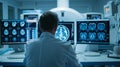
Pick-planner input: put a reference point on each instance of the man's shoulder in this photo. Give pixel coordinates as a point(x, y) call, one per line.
point(62, 43)
point(32, 42)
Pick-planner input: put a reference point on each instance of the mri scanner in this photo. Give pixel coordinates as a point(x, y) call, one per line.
point(67, 14)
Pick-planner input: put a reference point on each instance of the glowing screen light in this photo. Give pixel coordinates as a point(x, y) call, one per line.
point(22, 39)
point(14, 39)
point(101, 26)
point(83, 26)
point(5, 24)
point(92, 36)
point(83, 35)
point(6, 39)
point(62, 33)
point(92, 26)
point(93, 32)
point(14, 32)
point(6, 32)
point(22, 24)
point(22, 32)
point(14, 24)
point(101, 36)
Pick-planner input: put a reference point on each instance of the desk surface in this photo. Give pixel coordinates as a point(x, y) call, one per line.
point(85, 60)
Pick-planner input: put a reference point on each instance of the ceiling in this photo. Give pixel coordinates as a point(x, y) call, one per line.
point(32, 0)
point(48, 0)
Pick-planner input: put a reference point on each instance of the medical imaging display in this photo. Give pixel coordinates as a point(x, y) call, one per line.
point(93, 32)
point(65, 31)
point(94, 16)
point(32, 26)
point(13, 32)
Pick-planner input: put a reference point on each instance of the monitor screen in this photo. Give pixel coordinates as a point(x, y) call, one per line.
point(31, 20)
point(94, 16)
point(32, 26)
point(13, 32)
point(93, 32)
point(65, 31)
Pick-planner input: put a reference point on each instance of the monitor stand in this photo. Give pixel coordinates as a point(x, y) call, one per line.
point(92, 50)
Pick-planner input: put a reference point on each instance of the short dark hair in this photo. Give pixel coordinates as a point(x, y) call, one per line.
point(48, 21)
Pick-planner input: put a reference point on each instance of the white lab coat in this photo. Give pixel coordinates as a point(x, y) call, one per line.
point(47, 51)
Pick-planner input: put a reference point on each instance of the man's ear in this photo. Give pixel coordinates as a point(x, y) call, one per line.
point(54, 30)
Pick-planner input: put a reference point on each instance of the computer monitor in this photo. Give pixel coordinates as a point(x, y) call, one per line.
point(93, 32)
point(65, 31)
point(32, 25)
point(94, 16)
point(13, 32)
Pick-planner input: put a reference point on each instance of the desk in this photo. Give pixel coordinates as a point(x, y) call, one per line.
point(5, 61)
point(85, 60)
point(97, 60)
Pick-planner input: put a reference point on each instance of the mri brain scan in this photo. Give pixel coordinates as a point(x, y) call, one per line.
point(6, 39)
point(92, 36)
point(93, 32)
point(14, 39)
point(14, 24)
point(83, 36)
point(62, 33)
point(22, 39)
point(92, 26)
point(83, 26)
point(22, 32)
point(14, 32)
point(101, 36)
point(6, 32)
point(5, 24)
point(101, 26)
point(22, 23)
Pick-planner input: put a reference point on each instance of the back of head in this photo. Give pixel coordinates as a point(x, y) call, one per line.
point(48, 21)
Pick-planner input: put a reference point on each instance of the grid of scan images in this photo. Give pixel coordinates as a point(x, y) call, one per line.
point(93, 32)
point(13, 32)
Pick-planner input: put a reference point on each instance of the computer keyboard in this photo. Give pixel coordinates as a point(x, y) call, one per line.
point(4, 51)
point(16, 57)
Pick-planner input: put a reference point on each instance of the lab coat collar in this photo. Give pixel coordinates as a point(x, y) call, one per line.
point(46, 34)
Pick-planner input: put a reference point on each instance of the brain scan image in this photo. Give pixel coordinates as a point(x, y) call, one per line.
point(83, 26)
point(62, 33)
point(92, 36)
point(5, 24)
point(101, 36)
point(22, 24)
point(14, 39)
point(92, 26)
point(22, 39)
point(14, 24)
point(101, 26)
point(22, 32)
point(83, 36)
point(6, 32)
point(14, 32)
point(6, 39)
